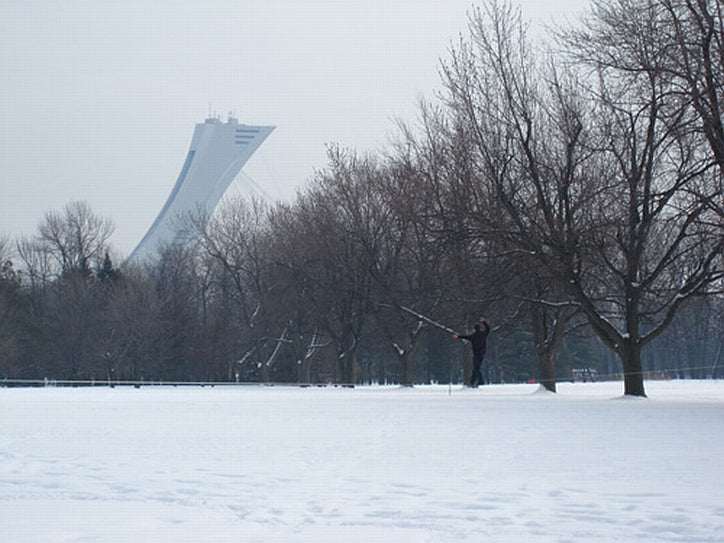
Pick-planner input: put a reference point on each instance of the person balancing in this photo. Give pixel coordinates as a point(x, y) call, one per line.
point(477, 339)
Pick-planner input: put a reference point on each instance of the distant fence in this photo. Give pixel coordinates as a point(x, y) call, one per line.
point(578, 375)
point(70, 383)
point(593, 375)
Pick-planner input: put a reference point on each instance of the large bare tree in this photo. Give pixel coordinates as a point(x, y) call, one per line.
point(597, 178)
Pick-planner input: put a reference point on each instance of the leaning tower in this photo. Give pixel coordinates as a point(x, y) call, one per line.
point(217, 153)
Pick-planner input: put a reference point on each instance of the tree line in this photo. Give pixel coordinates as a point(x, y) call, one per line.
point(571, 194)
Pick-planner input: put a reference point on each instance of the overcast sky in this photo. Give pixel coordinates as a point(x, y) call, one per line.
point(98, 100)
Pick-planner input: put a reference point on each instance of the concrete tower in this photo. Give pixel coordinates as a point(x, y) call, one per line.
point(217, 153)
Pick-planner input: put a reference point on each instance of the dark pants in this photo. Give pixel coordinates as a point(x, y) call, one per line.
point(477, 377)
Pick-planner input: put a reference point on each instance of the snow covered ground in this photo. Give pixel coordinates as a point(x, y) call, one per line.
point(371, 464)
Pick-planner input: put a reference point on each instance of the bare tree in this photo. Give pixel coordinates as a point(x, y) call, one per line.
point(178, 285)
point(235, 243)
point(328, 258)
point(294, 296)
point(36, 264)
point(667, 55)
point(404, 262)
point(596, 183)
point(439, 197)
point(76, 238)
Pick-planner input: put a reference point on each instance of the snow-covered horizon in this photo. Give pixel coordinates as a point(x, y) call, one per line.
point(432, 463)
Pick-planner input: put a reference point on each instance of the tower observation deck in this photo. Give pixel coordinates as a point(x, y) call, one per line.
point(217, 153)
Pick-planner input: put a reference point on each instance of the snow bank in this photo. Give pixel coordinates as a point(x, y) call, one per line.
point(229, 464)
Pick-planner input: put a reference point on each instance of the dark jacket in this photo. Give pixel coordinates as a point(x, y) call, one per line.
point(478, 339)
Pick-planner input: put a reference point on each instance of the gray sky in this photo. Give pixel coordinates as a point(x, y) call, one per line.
point(99, 98)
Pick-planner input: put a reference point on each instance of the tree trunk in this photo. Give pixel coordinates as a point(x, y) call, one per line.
point(717, 360)
point(406, 365)
point(304, 371)
point(548, 334)
point(633, 377)
point(346, 362)
point(547, 370)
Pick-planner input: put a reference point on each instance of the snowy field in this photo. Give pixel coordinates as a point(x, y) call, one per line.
point(377, 464)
